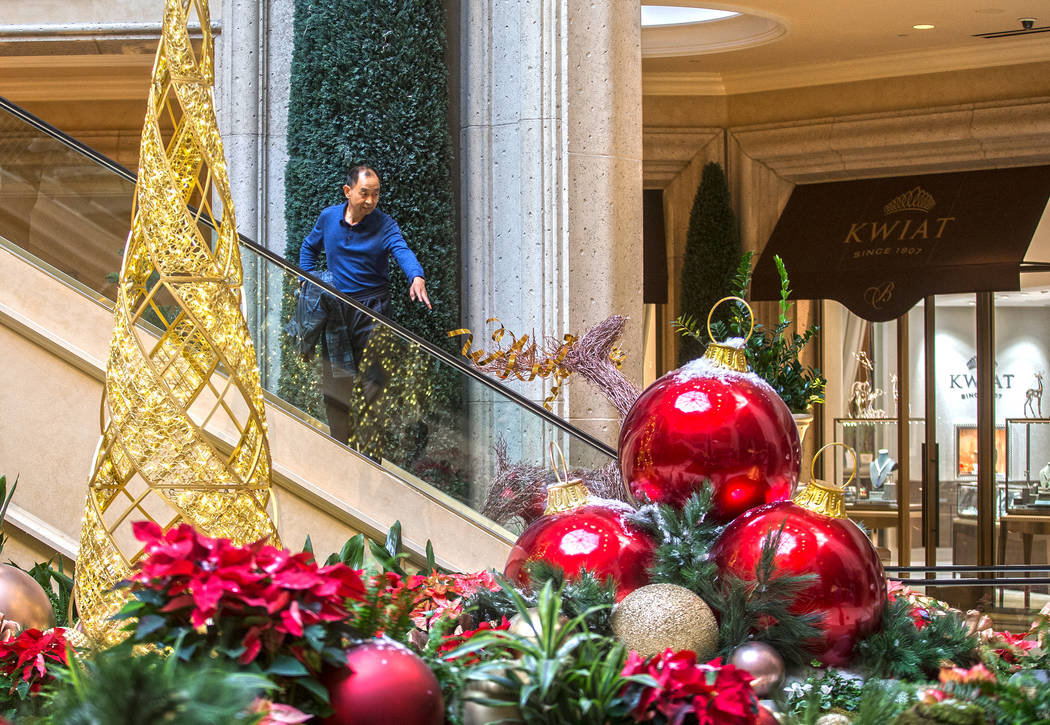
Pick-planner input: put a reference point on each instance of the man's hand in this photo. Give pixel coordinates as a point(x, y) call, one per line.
point(418, 291)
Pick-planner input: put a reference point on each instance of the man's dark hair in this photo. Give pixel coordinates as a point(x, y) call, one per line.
point(354, 174)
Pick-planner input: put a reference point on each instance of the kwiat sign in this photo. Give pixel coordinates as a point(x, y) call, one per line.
point(881, 245)
point(906, 225)
point(965, 384)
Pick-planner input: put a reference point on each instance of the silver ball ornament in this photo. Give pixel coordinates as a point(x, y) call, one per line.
point(764, 663)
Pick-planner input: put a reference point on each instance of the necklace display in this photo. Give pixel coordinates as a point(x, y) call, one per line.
point(879, 469)
point(1043, 487)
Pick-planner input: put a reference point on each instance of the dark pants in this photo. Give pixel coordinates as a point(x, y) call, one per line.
point(346, 326)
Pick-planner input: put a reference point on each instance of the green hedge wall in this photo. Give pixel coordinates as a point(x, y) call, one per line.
point(369, 85)
point(712, 251)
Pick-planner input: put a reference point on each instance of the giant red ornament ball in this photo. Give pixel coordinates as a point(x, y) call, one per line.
point(850, 585)
point(705, 421)
point(383, 683)
point(585, 534)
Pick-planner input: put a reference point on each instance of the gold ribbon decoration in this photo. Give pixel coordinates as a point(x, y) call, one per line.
point(154, 460)
point(519, 359)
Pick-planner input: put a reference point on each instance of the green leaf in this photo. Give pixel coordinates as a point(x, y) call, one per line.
point(149, 624)
point(431, 563)
point(393, 539)
point(315, 688)
point(287, 666)
point(315, 636)
point(353, 552)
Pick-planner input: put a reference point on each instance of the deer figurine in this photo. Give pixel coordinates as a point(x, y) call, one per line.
point(1034, 399)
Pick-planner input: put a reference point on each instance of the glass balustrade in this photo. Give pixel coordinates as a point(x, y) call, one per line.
point(417, 410)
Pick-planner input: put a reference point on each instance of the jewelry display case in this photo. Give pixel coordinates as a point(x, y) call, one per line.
point(1027, 465)
point(875, 441)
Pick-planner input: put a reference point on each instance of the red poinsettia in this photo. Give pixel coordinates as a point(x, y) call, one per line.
point(453, 641)
point(269, 594)
point(405, 602)
point(31, 652)
point(977, 673)
point(712, 693)
point(441, 595)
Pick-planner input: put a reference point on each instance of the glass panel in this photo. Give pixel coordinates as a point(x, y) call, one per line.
point(865, 418)
point(426, 418)
point(1021, 412)
point(417, 413)
point(956, 431)
point(62, 207)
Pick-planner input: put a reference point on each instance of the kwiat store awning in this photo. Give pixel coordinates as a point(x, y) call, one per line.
point(878, 246)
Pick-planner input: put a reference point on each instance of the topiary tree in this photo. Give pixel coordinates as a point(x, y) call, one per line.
point(712, 249)
point(369, 85)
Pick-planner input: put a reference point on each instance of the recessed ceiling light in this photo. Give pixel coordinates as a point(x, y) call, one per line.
point(923, 26)
point(657, 15)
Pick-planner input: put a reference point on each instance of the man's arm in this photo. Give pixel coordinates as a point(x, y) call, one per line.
point(310, 248)
point(395, 243)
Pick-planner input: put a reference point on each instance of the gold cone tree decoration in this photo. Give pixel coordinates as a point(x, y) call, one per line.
point(182, 275)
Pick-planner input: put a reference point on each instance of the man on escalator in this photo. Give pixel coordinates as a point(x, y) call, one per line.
point(356, 238)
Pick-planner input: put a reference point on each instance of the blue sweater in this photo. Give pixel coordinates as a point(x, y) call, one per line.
point(358, 255)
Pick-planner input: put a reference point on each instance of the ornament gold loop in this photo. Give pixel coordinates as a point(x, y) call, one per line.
point(750, 316)
point(823, 497)
point(567, 494)
point(813, 464)
point(554, 464)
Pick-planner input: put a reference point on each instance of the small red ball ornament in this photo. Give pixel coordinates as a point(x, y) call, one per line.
point(765, 717)
point(383, 683)
point(817, 538)
point(577, 533)
point(711, 419)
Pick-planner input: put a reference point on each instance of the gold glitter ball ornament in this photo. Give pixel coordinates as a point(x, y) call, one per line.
point(833, 718)
point(657, 616)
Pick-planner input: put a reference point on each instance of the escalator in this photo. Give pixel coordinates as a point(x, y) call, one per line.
point(422, 453)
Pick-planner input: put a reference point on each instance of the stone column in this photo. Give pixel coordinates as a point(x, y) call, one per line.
point(253, 54)
point(552, 177)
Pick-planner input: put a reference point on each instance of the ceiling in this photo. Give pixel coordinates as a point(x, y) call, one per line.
point(793, 43)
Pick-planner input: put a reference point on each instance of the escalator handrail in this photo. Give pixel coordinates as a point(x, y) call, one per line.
point(443, 355)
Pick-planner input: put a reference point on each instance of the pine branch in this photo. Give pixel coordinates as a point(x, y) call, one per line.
point(903, 651)
point(683, 539)
point(748, 608)
point(760, 609)
point(493, 606)
point(586, 595)
point(687, 326)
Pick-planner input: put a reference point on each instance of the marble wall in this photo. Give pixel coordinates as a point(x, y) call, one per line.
point(551, 161)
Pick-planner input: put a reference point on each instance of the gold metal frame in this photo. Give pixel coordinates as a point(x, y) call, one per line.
point(154, 460)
